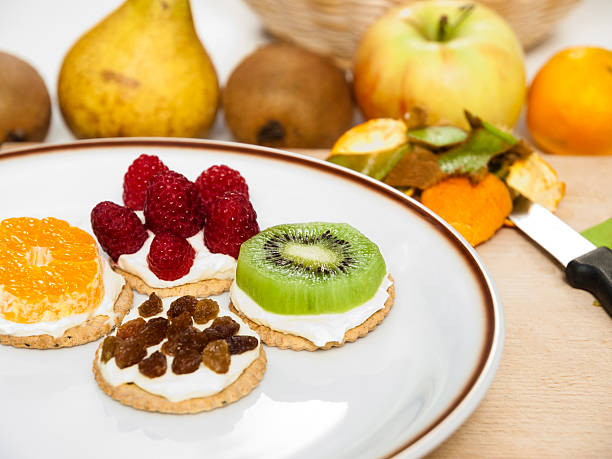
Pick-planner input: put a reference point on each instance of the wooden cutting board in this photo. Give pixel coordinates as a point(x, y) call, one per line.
point(552, 395)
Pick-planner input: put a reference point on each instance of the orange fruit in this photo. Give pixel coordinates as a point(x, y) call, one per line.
point(569, 104)
point(48, 270)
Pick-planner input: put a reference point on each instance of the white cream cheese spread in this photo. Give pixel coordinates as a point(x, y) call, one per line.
point(113, 283)
point(320, 328)
point(206, 265)
point(201, 383)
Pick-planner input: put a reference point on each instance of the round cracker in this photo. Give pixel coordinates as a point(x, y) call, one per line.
point(205, 288)
point(284, 340)
point(134, 396)
point(91, 330)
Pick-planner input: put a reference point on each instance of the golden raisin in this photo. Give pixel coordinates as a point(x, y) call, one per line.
point(131, 328)
point(182, 304)
point(108, 348)
point(153, 366)
point(129, 352)
point(186, 361)
point(216, 356)
point(151, 307)
point(182, 320)
point(205, 310)
point(241, 343)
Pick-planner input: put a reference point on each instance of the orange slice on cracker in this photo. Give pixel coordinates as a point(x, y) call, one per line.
point(48, 270)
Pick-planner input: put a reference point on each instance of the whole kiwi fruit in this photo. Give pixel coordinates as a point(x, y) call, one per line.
point(25, 107)
point(284, 96)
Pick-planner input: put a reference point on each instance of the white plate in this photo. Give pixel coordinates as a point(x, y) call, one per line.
point(402, 389)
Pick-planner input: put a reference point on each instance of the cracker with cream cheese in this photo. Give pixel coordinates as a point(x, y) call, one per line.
point(298, 343)
point(91, 330)
point(183, 328)
point(134, 396)
point(203, 288)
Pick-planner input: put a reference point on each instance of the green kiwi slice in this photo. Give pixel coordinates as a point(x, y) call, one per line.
point(310, 268)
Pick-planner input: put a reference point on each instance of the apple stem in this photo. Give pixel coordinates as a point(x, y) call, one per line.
point(442, 28)
point(445, 30)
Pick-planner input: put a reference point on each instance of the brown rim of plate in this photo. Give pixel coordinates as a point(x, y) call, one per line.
point(492, 321)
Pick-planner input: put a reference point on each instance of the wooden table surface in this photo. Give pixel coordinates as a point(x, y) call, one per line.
point(552, 394)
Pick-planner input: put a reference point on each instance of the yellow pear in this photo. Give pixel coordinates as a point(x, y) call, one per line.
point(142, 71)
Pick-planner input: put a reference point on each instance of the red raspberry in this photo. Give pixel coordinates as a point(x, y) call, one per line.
point(216, 180)
point(173, 204)
point(170, 256)
point(118, 229)
point(135, 180)
point(231, 221)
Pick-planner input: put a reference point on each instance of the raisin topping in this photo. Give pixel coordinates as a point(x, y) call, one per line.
point(178, 325)
point(131, 328)
point(216, 356)
point(154, 331)
point(241, 343)
point(182, 320)
point(185, 338)
point(200, 340)
point(205, 311)
point(153, 366)
point(108, 348)
point(129, 352)
point(186, 361)
point(151, 307)
point(172, 347)
point(185, 303)
point(197, 340)
point(221, 328)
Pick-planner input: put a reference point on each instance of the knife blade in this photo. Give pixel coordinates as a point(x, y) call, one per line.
point(587, 267)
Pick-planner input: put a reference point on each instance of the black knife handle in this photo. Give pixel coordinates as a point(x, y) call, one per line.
point(593, 272)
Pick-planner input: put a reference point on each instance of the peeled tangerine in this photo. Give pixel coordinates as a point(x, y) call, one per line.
point(142, 71)
point(48, 270)
point(477, 211)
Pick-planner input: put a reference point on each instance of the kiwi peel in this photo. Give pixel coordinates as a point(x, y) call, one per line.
point(435, 137)
point(310, 268)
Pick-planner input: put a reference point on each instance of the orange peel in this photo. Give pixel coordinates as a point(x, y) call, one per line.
point(372, 148)
point(535, 179)
point(477, 211)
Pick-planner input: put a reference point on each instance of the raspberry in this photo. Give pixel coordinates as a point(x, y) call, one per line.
point(232, 220)
point(135, 179)
point(217, 180)
point(170, 256)
point(173, 204)
point(118, 229)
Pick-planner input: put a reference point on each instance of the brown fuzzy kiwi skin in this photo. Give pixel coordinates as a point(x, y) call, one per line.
point(284, 96)
point(25, 106)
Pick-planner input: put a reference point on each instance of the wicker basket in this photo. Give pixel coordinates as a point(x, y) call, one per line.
point(333, 27)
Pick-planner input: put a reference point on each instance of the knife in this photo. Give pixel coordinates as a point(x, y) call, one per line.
point(587, 267)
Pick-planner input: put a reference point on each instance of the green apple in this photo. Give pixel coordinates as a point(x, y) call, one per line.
point(444, 57)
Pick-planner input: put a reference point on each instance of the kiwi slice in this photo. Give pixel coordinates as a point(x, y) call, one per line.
point(310, 268)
